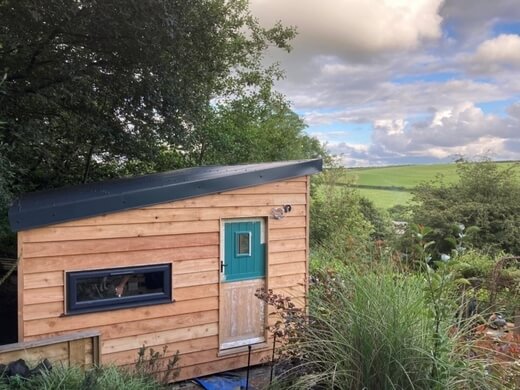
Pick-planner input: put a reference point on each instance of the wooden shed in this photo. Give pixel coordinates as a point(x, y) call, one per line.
point(166, 259)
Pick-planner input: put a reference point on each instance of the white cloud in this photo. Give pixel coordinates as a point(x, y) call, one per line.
point(354, 29)
point(463, 129)
point(352, 155)
point(383, 99)
point(416, 71)
point(472, 20)
point(494, 54)
point(391, 127)
point(514, 111)
point(492, 147)
point(503, 49)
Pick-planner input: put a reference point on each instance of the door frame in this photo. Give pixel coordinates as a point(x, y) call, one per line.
point(263, 239)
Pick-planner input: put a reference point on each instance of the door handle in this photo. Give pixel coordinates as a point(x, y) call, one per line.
point(222, 265)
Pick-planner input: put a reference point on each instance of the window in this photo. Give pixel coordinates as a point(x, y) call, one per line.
point(243, 244)
point(108, 289)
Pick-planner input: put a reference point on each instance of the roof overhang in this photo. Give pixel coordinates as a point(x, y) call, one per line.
point(86, 200)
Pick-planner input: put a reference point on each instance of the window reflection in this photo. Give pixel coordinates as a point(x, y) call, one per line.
point(118, 287)
point(95, 288)
point(244, 243)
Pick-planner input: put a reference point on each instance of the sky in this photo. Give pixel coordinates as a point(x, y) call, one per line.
point(385, 82)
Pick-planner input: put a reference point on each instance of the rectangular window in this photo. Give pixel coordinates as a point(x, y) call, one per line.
point(113, 288)
point(243, 243)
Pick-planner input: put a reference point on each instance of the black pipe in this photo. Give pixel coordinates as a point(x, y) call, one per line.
point(272, 359)
point(248, 366)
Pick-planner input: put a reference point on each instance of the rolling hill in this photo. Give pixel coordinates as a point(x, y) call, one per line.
point(390, 186)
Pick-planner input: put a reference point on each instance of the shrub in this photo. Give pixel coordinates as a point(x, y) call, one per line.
point(337, 221)
point(156, 365)
point(378, 219)
point(485, 196)
point(492, 287)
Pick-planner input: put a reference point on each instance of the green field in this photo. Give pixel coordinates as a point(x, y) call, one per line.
point(407, 176)
point(394, 182)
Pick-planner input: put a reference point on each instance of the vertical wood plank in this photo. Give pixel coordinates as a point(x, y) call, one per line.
point(243, 320)
point(77, 352)
point(19, 287)
point(307, 238)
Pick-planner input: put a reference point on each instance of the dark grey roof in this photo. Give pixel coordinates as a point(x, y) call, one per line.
point(86, 200)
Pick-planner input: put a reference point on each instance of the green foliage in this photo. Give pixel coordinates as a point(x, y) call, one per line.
point(364, 334)
point(399, 212)
point(337, 221)
point(251, 129)
point(474, 264)
point(485, 196)
point(6, 179)
point(439, 295)
point(493, 287)
point(378, 218)
point(374, 330)
point(74, 378)
point(93, 86)
point(8, 247)
point(153, 370)
point(102, 89)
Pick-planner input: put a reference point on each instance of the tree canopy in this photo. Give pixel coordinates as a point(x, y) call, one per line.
point(98, 89)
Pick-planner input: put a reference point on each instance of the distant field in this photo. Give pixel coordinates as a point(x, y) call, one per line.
point(394, 182)
point(407, 176)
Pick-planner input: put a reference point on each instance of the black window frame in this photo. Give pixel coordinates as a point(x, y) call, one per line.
point(75, 307)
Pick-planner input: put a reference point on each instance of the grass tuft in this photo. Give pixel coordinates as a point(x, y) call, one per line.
point(74, 378)
point(373, 330)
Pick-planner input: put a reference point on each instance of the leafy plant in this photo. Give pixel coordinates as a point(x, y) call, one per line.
point(155, 364)
point(289, 328)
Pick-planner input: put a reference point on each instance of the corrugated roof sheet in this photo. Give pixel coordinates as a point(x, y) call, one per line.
point(71, 203)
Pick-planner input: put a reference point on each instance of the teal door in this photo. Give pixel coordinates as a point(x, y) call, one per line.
point(244, 251)
point(242, 317)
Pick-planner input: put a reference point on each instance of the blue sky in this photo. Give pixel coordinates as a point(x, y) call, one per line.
point(403, 81)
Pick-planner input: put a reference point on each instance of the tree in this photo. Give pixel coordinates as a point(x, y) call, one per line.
point(486, 196)
point(6, 178)
point(97, 89)
point(100, 89)
point(252, 129)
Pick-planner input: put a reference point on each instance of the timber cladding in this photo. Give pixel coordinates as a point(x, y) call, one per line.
point(79, 349)
point(185, 233)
